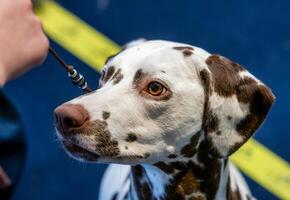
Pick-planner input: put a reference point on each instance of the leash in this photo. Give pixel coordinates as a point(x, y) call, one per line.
point(76, 78)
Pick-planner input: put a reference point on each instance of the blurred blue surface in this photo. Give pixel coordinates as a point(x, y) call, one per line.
point(254, 33)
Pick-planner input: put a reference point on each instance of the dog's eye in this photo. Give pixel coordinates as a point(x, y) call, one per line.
point(155, 88)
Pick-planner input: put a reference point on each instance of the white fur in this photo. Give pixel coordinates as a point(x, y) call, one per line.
point(128, 111)
point(169, 132)
point(160, 178)
point(238, 181)
point(114, 180)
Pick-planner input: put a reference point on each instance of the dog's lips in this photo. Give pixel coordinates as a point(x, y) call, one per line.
point(129, 157)
point(79, 151)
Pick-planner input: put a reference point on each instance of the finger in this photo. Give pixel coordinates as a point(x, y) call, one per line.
point(5, 181)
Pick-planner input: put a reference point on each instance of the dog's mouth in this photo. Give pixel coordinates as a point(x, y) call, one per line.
point(79, 152)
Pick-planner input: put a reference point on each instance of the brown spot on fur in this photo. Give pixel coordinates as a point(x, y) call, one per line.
point(187, 53)
point(205, 79)
point(189, 183)
point(190, 149)
point(164, 167)
point(142, 187)
point(172, 156)
point(105, 145)
point(245, 89)
point(218, 132)
point(212, 149)
point(108, 74)
point(211, 123)
point(181, 48)
point(226, 82)
point(138, 77)
point(210, 174)
point(106, 115)
point(131, 137)
point(117, 77)
point(224, 76)
point(186, 50)
point(197, 197)
point(222, 61)
point(192, 179)
point(261, 99)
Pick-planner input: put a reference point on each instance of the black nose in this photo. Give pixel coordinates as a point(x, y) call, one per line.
point(70, 116)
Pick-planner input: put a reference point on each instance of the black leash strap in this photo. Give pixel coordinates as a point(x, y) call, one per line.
point(76, 78)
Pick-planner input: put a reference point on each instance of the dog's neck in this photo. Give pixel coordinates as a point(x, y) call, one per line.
point(200, 177)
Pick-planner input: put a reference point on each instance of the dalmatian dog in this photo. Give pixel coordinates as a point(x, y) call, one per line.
point(166, 116)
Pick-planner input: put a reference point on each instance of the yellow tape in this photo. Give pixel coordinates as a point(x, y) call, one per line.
point(265, 167)
point(255, 160)
point(75, 35)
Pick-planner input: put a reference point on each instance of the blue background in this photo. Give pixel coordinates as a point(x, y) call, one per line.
point(254, 33)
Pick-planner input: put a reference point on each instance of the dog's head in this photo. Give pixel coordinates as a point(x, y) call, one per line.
point(158, 101)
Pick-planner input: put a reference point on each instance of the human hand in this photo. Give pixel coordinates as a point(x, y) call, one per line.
point(23, 44)
point(4, 179)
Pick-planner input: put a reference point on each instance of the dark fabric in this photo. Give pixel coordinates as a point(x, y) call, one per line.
point(12, 144)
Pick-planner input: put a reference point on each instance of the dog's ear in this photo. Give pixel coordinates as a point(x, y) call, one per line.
point(236, 103)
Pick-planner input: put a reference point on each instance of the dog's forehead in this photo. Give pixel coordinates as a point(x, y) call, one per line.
point(156, 55)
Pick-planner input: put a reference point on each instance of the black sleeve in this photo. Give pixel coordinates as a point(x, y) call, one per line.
point(12, 144)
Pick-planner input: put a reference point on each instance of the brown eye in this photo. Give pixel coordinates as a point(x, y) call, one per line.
point(155, 88)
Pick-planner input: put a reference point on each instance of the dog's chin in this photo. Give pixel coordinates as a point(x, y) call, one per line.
point(79, 153)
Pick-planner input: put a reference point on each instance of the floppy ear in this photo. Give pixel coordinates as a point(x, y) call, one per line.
point(236, 103)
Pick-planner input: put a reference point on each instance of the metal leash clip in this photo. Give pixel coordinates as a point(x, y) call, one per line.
point(76, 78)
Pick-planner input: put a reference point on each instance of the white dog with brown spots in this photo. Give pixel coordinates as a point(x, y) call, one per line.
point(171, 114)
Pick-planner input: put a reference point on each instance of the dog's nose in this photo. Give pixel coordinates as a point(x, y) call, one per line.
point(69, 117)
